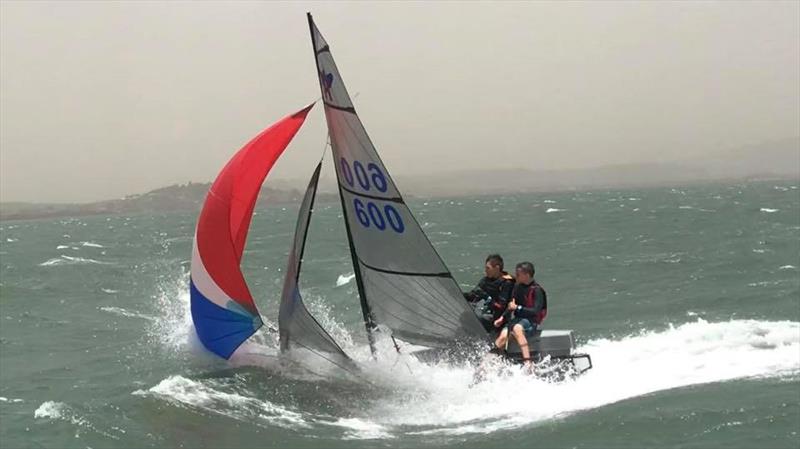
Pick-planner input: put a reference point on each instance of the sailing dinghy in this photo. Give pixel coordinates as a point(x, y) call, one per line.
point(403, 283)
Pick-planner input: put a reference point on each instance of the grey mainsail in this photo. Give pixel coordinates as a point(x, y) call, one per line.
point(296, 325)
point(403, 284)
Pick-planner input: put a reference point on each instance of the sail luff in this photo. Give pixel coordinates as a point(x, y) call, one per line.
point(366, 311)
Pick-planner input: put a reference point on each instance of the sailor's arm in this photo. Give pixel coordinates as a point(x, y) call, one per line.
point(532, 312)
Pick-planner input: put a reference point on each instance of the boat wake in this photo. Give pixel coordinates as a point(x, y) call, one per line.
point(407, 397)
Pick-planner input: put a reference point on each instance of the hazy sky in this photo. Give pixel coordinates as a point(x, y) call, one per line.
point(103, 99)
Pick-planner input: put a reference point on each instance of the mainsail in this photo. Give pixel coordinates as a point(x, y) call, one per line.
point(296, 325)
point(402, 282)
point(223, 310)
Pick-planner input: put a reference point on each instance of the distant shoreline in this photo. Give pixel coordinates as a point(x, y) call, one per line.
point(189, 197)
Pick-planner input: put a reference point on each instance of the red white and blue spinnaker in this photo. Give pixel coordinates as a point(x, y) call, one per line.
point(223, 310)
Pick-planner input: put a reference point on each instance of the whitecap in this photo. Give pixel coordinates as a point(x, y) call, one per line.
point(62, 246)
point(788, 267)
point(359, 429)
point(10, 240)
point(689, 354)
point(92, 245)
point(50, 409)
point(553, 209)
point(344, 279)
point(126, 313)
point(67, 260)
point(549, 201)
point(207, 395)
point(768, 210)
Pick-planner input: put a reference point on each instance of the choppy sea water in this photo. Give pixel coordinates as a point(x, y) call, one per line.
point(688, 300)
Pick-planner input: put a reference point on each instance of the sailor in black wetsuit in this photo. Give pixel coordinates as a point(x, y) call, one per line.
point(524, 313)
point(490, 297)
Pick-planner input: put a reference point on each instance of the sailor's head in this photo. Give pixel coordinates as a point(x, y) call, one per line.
point(494, 266)
point(524, 272)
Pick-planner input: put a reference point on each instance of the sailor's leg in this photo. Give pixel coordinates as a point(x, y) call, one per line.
point(500, 343)
point(519, 334)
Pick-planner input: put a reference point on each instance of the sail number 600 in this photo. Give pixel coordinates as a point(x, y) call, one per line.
point(375, 177)
point(371, 214)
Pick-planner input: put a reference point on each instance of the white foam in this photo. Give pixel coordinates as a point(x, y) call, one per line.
point(788, 267)
point(11, 240)
point(127, 313)
point(550, 210)
point(59, 410)
point(344, 279)
point(549, 202)
point(50, 409)
point(692, 353)
point(207, 395)
point(13, 401)
point(109, 291)
point(62, 246)
point(68, 260)
point(173, 327)
point(359, 429)
point(92, 245)
point(437, 399)
point(768, 210)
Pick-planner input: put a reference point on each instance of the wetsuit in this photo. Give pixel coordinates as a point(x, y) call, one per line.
point(490, 297)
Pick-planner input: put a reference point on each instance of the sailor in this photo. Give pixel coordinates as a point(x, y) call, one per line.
point(524, 313)
point(490, 296)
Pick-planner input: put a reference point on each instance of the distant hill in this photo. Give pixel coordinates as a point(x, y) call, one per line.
point(771, 160)
point(181, 197)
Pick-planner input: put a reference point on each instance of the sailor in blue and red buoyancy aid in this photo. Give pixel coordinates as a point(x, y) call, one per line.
point(525, 312)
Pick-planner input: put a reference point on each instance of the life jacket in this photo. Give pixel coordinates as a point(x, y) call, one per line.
point(530, 301)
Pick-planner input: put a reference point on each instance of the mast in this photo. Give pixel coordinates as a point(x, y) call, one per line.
point(366, 311)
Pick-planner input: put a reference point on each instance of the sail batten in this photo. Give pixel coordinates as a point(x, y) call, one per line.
point(402, 281)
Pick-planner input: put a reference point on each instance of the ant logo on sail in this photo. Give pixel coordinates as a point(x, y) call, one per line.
point(327, 82)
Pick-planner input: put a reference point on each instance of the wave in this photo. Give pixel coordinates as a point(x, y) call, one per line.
point(207, 395)
point(92, 245)
point(344, 279)
point(414, 398)
point(126, 313)
point(422, 399)
point(68, 260)
point(53, 410)
point(13, 400)
point(50, 409)
point(689, 354)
